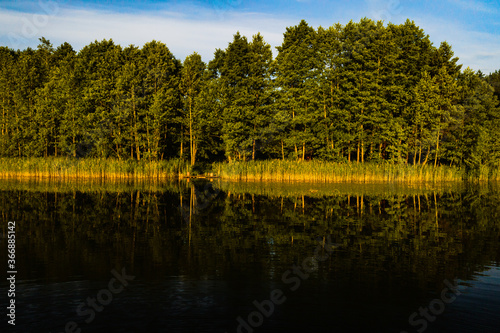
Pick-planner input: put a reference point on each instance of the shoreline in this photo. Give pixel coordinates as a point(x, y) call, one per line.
point(314, 171)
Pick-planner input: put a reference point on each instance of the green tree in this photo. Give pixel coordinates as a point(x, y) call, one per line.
point(434, 110)
point(7, 63)
point(162, 99)
point(259, 92)
point(66, 88)
point(480, 130)
point(130, 89)
point(331, 125)
point(296, 70)
point(370, 55)
point(494, 80)
point(190, 86)
point(29, 75)
point(234, 73)
point(413, 52)
point(243, 73)
point(48, 113)
point(97, 68)
point(209, 123)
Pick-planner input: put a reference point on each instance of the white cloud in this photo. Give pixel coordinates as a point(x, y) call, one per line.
point(474, 6)
point(181, 34)
point(385, 10)
point(477, 50)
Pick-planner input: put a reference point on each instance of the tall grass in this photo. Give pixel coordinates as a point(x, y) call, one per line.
point(271, 170)
point(105, 169)
point(321, 171)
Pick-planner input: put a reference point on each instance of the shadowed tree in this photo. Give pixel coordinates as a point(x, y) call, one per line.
point(162, 99)
point(190, 85)
point(296, 70)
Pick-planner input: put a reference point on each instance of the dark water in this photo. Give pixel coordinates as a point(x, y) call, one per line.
point(198, 257)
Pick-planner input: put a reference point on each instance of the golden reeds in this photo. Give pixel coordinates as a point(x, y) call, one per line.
point(322, 171)
point(270, 170)
point(105, 169)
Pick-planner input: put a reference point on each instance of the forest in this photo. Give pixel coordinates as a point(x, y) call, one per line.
point(360, 92)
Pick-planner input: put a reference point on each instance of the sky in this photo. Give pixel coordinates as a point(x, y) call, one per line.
point(471, 27)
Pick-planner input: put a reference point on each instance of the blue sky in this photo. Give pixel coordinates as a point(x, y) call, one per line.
point(471, 27)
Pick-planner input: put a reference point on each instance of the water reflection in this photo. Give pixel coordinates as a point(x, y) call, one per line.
point(202, 253)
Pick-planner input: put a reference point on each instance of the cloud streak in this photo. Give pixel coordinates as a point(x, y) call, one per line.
point(182, 34)
point(476, 6)
point(475, 49)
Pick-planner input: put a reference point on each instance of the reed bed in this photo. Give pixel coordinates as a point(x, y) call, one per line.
point(270, 170)
point(321, 171)
point(104, 169)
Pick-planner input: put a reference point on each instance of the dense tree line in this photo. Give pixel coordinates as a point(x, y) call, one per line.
point(356, 92)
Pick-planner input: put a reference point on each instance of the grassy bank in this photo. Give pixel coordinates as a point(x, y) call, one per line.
point(319, 171)
point(105, 169)
point(272, 170)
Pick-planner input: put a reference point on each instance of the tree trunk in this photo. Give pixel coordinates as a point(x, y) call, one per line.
point(282, 151)
point(182, 147)
point(359, 146)
point(74, 147)
point(437, 150)
point(195, 149)
point(253, 150)
point(420, 154)
point(191, 143)
point(362, 151)
point(349, 152)
point(136, 134)
point(362, 143)
point(426, 157)
point(415, 150)
point(148, 138)
point(253, 144)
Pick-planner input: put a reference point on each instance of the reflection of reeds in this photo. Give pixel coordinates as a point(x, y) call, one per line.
point(321, 190)
point(320, 171)
point(105, 169)
point(89, 185)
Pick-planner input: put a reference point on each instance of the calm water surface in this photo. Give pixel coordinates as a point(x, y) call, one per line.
point(251, 257)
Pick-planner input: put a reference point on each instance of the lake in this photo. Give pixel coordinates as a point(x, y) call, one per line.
point(252, 257)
